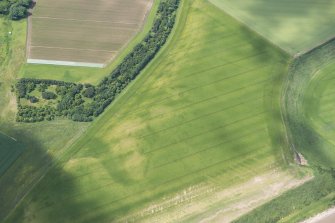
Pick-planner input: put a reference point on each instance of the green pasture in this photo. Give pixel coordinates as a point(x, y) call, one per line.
point(205, 110)
point(294, 25)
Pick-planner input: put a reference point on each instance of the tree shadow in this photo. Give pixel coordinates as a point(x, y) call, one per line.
point(21, 176)
point(38, 187)
point(22, 189)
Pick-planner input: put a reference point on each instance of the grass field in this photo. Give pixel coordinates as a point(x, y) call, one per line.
point(206, 110)
point(87, 31)
point(294, 25)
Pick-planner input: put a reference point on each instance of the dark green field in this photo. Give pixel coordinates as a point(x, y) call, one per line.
point(10, 150)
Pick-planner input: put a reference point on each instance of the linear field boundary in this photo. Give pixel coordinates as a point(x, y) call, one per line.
point(65, 63)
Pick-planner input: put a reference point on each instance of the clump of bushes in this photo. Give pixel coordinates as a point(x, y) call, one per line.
point(84, 102)
point(70, 102)
point(48, 95)
point(89, 92)
point(33, 99)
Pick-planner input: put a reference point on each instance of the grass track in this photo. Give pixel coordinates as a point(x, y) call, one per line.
point(173, 128)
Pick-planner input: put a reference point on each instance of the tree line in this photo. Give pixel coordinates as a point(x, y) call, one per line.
point(15, 9)
point(71, 102)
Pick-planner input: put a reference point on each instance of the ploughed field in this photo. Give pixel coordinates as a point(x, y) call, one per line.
point(84, 30)
point(206, 110)
point(295, 26)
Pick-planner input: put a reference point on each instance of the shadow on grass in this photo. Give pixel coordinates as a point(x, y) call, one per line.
point(20, 177)
point(20, 182)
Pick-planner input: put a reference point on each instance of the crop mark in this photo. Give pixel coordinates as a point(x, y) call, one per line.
point(201, 116)
point(254, 131)
point(174, 179)
point(193, 136)
point(155, 186)
point(208, 41)
point(202, 133)
point(204, 100)
point(141, 108)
